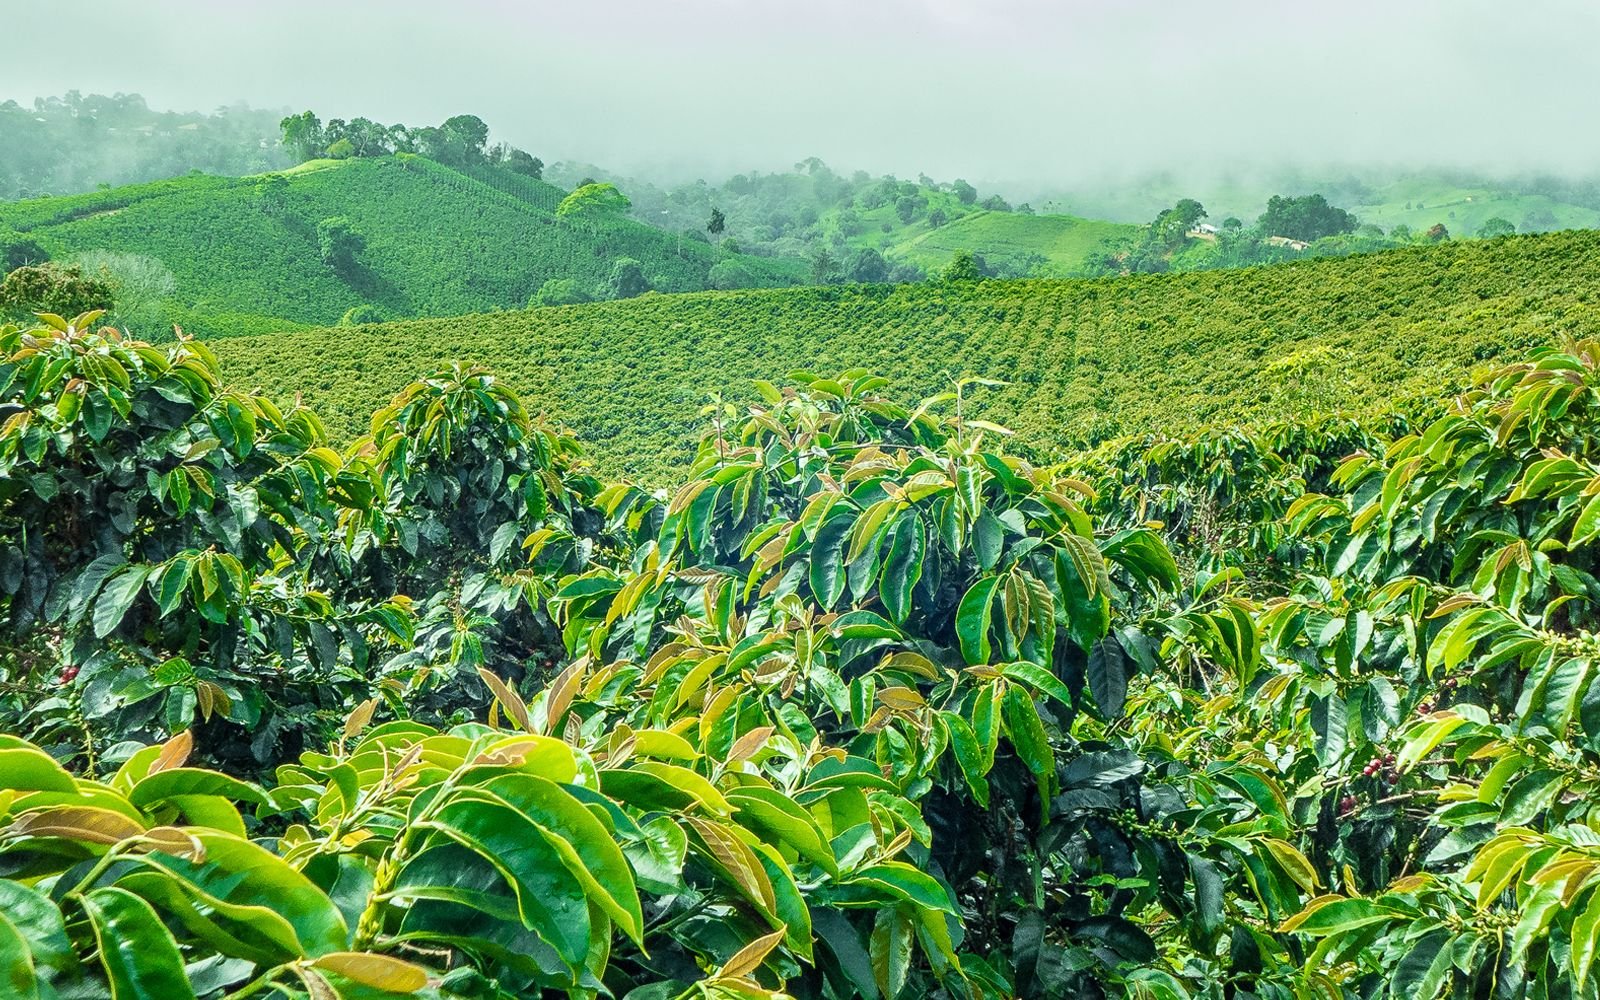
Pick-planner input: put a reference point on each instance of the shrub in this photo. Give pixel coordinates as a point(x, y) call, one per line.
point(560, 292)
point(361, 315)
point(730, 274)
point(52, 288)
point(867, 703)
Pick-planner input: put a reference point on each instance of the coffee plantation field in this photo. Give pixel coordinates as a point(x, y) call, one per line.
point(1086, 359)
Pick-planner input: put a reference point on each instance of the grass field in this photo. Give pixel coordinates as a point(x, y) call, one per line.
point(1462, 210)
point(1087, 359)
point(1062, 240)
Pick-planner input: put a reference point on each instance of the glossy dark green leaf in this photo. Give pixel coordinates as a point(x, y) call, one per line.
point(827, 558)
point(903, 567)
point(139, 956)
point(972, 620)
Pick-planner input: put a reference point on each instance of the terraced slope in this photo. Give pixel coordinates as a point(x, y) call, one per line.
point(1087, 359)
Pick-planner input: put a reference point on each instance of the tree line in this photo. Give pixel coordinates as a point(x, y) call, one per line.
point(461, 140)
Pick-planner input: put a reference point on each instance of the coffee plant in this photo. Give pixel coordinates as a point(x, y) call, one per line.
point(868, 704)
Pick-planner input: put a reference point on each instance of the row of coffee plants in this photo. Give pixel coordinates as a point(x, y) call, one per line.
point(1086, 361)
point(865, 706)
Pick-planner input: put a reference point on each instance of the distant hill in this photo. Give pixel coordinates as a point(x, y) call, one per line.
point(1463, 208)
point(1460, 200)
point(916, 225)
point(246, 255)
point(1086, 359)
point(1045, 244)
point(76, 143)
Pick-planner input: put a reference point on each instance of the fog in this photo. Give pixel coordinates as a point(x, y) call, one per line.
point(1022, 92)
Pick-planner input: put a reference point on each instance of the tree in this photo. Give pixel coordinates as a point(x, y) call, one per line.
point(1173, 225)
point(1495, 227)
point(368, 138)
point(272, 193)
point(1308, 218)
point(905, 272)
point(909, 206)
point(995, 203)
point(731, 274)
point(17, 250)
point(965, 193)
point(868, 267)
point(339, 244)
point(140, 287)
point(1436, 233)
point(937, 218)
point(304, 135)
point(627, 279)
point(520, 161)
point(1232, 223)
point(53, 288)
point(560, 292)
point(962, 267)
point(465, 137)
point(594, 201)
point(717, 223)
point(824, 268)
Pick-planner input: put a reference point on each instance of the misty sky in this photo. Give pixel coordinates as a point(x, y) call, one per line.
point(997, 89)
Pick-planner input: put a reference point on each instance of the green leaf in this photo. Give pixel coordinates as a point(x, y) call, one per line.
point(96, 414)
point(969, 756)
point(1337, 914)
point(182, 781)
point(906, 882)
point(137, 951)
point(771, 812)
point(241, 873)
point(972, 620)
point(550, 899)
point(1587, 526)
point(118, 595)
point(903, 567)
point(17, 976)
point(892, 935)
point(1207, 897)
point(827, 558)
point(988, 537)
point(25, 769)
point(1040, 679)
point(1029, 739)
point(39, 922)
point(1107, 672)
point(585, 844)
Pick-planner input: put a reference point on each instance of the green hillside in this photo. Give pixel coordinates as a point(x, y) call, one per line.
point(1420, 203)
point(1087, 359)
point(1062, 241)
point(438, 242)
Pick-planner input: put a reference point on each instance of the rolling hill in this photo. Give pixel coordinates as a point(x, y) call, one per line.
point(1060, 241)
point(1463, 208)
point(1087, 359)
point(245, 255)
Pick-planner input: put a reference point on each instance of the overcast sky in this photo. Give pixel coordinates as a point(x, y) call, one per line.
point(997, 89)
